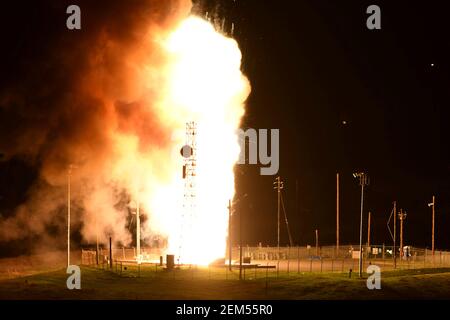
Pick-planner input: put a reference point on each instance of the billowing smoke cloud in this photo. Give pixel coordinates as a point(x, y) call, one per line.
point(87, 98)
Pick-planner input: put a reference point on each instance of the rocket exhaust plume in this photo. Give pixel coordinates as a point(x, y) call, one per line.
point(121, 120)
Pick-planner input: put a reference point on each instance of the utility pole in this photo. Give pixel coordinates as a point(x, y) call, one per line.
point(240, 245)
point(96, 240)
point(337, 213)
point(432, 224)
point(401, 217)
point(229, 235)
point(69, 173)
point(296, 198)
point(110, 253)
point(395, 234)
point(317, 242)
point(363, 181)
point(368, 230)
point(278, 186)
point(138, 233)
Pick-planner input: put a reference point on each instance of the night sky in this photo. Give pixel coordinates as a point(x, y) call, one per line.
point(345, 99)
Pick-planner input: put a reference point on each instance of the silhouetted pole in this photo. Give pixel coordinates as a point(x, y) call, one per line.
point(240, 245)
point(337, 212)
point(69, 173)
point(363, 181)
point(317, 242)
point(432, 224)
point(401, 216)
point(296, 197)
point(278, 186)
point(96, 240)
point(229, 235)
point(110, 253)
point(278, 215)
point(138, 233)
point(360, 231)
point(368, 230)
point(395, 234)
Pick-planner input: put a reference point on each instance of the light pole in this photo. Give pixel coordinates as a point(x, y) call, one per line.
point(401, 217)
point(69, 173)
point(229, 234)
point(363, 181)
point(138, 233)
point(278, 185)
point(317, 242)
point(432, 224)
point(337, 213)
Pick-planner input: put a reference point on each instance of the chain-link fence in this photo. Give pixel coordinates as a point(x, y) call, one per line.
point(328, 258)
point(285, 260)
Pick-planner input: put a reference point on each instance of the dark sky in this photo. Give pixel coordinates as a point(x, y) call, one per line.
point(312, 65)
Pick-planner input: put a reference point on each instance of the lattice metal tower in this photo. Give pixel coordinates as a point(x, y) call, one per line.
point(189, 176)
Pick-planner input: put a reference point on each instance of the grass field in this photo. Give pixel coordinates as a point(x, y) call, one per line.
point(217, 283)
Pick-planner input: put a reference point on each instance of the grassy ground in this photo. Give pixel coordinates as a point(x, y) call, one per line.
point(216, 283)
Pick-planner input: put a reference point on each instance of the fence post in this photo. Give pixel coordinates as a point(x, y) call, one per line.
point(298, 259)
point(332, 264)
point(310, 265)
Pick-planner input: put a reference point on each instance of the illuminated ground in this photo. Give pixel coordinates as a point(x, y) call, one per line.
point(212, 284)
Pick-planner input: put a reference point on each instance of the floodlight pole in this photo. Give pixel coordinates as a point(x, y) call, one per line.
point(138, 233)
point(317, 242)
point(229, 235)
point(432, 225)
point(360, 230)
point(337, 213)
point(402, 217)
point(96, 240)
point(395, 235)
point(368, 229)
point(240, 245)
point(363, 181)
point(69, 172)
point(278, 186)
